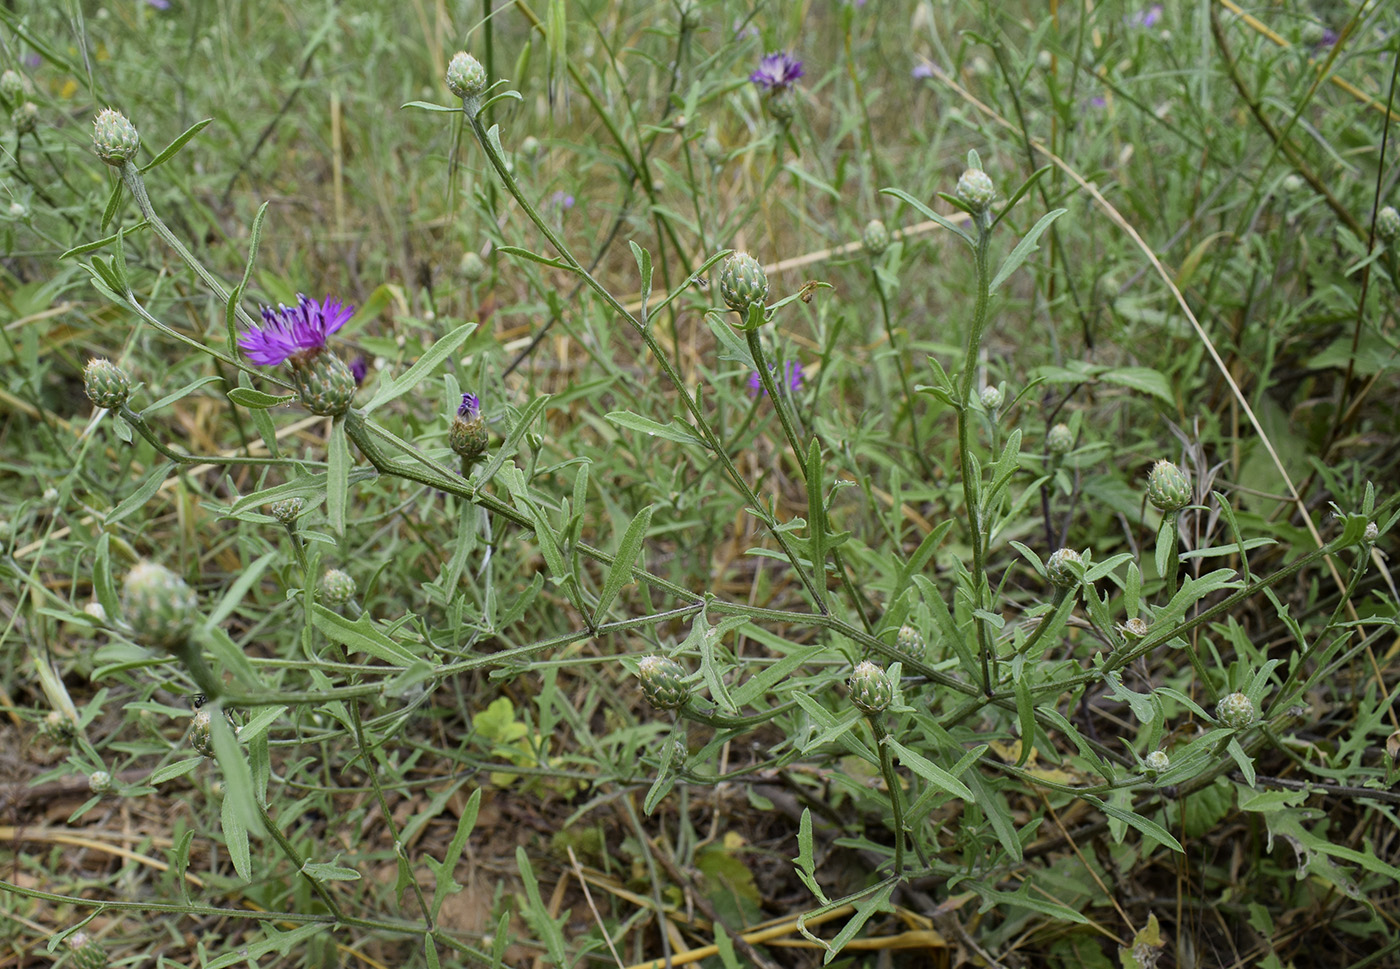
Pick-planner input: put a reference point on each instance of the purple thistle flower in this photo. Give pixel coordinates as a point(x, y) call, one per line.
point(359, 369)
point(294, 331)
point(790, 381)
point(470, 409)
point(777, 71)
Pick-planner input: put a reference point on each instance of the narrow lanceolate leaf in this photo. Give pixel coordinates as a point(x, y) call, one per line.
point(930, 771)
point(620, 572)
point(337, 476)
point(1025, 247)
point(240, 812)
point(427, 363)
point(180, 141)
point(942, 220)
point(816, 510)
point(442, 872)
point(360, 636)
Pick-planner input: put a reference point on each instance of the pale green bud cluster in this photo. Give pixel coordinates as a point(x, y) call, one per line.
point(911, 641)
point(106, 384)
point(287, 510)
point(712, 148)
point(871, 690)
point(25, 117)
point(13, 86)
point(1372, 533)
point(466, 78)
point(337, 587)
point(531, 148)
point(86, 951)
point(472, 266)
point(324, 383)
point(114, 138)
point(1168, 487)
point(875, 238)
point(1235, 711)
point(100, 782)
point(158, 605)
point(201, 733)
point(991, 398)
point(1157, 761)
point(1059, 440)
point(663, 682)
point(1388, 223)
point(742, 282)
point(1063, 568)
point(976, 189)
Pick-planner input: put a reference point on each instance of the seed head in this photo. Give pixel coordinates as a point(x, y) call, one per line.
point(1235, 711)
point(976, 189)
point(871, 690)
point(25, 117)
point(114, 138)
point(159, 605)
point(663, 682)
point(337, 588)
point(466, 78)
point(1168, 487)
point(106, 384)
point(742, 282)
point(875, 238)
point(1064, 567)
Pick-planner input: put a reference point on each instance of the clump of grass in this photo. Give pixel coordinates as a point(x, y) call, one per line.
point(781, 481)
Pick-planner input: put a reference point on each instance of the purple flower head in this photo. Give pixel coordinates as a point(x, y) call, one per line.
point(1145, 18)
point(790, 381)
point(1098, 102)
point(922, 71)
point(359, 369)
point(561, 200)
point(470, 409)
point(294, 331)
point(777, 71)
point(159, 4)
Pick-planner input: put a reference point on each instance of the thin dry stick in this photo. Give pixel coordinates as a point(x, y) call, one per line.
point(588, 897)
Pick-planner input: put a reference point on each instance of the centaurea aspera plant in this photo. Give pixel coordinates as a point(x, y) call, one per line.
point(296, 335)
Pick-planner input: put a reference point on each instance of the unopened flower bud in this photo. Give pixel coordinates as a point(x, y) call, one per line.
point(96, 611)
point(201, 733)
point(871, 691)
point(1293, 183)
point(712, 148)
point(467, 436)
point(530, 147)
point(13, 87)
point(742, 282)
point(1372, 533)
point(99, 782)
point(976, 189)
point(159, 605)
point(1388, 223)
point(323, 382)
point(1063, 568)
point(875, 238)
point(466, 78)
point(106, 384)
point(991, 398)
point(1235, 711)
point(86, 951)
point(18, 210)
point(1157, 761)
point(663, 682)
point(337, 587)
point(472, 266)
point(779, 104)
point(25, 118)
point(114, 138)
point(1135, 628)
point(1059, 440)
point(911, 641)
point(1168, 487)
point(287, 510)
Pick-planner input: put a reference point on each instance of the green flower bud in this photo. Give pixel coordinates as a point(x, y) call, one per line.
point(58, 728)
point(106, 384)
point(1156, 761)
point(992, 398)
point(1168, 487)
point(1372, 533)
point(201, 733)
point(472, 266)
point(323, 382)
point(1235, 711)
point(160, 607)
point(114, 138)
point(466, 78)
point(712, 148)
point(1388, 223)
point(875, 238)
point(911, 641)
point(100, 782)
point(663, 682)
point(1134, 628)
point(742, 282)
point(871, 691)
point(1063, 568)
point(13, 87)
point(1293, 183)
point(337, 588)
point(287, 510)
point(87, 952)
point(779, 104)
point(531, 147)
point(25, 118)
point(976, 189)
point(1060, 439)
point(468, 436)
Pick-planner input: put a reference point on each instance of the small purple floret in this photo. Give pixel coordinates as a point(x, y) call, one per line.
point(790, 380)
point(1145, 18)
point(922, 71)
point(294, 330)
point(777, 71)
point(359, 369)
point(470, 409)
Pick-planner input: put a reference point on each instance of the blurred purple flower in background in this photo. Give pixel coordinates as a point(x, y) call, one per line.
point(1145, 18)
point(359, 369)
point(777, 71)
point(159, 4)
point(561, 200)
point(922, 71)
point(789, 382)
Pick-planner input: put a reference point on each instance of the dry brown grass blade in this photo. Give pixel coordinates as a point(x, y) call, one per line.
point(782, 929)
